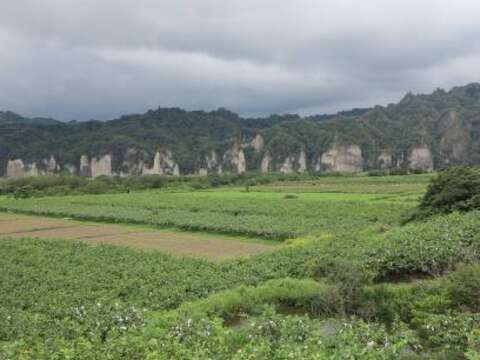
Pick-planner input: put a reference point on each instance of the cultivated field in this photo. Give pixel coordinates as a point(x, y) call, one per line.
point(266, 214)
point(405, 184)
point(331, 274)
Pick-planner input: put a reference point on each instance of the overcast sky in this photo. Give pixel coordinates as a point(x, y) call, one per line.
point(102, 58)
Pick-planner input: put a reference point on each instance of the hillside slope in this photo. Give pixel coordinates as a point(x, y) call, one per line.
point(420, 132)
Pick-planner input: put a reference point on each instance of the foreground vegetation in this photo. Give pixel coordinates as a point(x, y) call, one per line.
point(352, 289)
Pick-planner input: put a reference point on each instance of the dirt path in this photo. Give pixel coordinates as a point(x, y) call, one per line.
point(209, 246)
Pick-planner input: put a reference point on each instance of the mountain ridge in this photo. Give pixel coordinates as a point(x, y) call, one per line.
point(424, 131)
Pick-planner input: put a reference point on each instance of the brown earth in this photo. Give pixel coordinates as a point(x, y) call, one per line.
point(180, 243)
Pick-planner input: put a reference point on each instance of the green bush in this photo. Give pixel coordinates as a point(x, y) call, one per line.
point(24, 192)
point(464, 288)
point(427, 248)
point(449, 330)
point(347, 281)
point(244, 299)
point(454, 189)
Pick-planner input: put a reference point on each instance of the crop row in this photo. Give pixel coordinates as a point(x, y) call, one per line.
point(268, 215)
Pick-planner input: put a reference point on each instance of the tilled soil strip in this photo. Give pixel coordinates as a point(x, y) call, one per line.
point(172, 242)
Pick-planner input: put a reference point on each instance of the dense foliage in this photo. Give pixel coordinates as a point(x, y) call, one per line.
point(454, 189)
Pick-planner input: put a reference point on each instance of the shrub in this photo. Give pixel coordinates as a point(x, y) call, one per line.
point(378, 173)
point(448, 331)
point(464, 287)
point(347, 281)
point(428, 248)
point(454, 189)
point(24, 192)
point(229, 303)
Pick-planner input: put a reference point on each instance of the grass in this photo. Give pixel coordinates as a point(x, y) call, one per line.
point(405, 184)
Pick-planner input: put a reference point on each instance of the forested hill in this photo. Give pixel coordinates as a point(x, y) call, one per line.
point(420, 132)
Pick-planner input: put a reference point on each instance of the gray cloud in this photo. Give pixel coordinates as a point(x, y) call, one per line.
point(99, 59)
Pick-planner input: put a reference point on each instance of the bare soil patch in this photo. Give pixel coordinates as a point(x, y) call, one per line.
point(180, 243)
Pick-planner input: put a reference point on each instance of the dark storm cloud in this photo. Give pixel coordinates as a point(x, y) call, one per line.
point(99, 59)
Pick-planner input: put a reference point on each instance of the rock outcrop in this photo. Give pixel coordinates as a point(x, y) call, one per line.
point(294, 163)
point(235, 157)
point(258, 143)
point(339, 158)
point(84, 168)
point(266, 163)
point(132, 163)
point(52, 166)
point(288, 165)
point(212, 164)
point(163, 164)
point(302, 162)
point(101, 166)
point(421, 159)
point(385, 160)
point(241, 162)
point(342, 158)
point(454, 140)
point(155, 168)
point(17, 169)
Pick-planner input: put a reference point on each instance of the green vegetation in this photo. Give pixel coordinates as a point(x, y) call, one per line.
point(305, 182)
point(455, 189)
point(357, 285)
point(359, 183)
point(261, 214)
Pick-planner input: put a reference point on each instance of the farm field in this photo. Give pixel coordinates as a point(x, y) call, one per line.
point(179, 243)
point(266, 214)
point(395, 184)
point(327, 274)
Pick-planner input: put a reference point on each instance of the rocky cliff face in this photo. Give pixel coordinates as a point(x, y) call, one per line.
point(384, 160)
point(235, 159)
point(17, 168)
point(454, 139)
point(258, 143)
point(421, 159)
point(84, 169)
point(163, 164)
point(342, 158)
point(339, 158)
point(266, 163)
point(102, 166)
point(292, 163)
